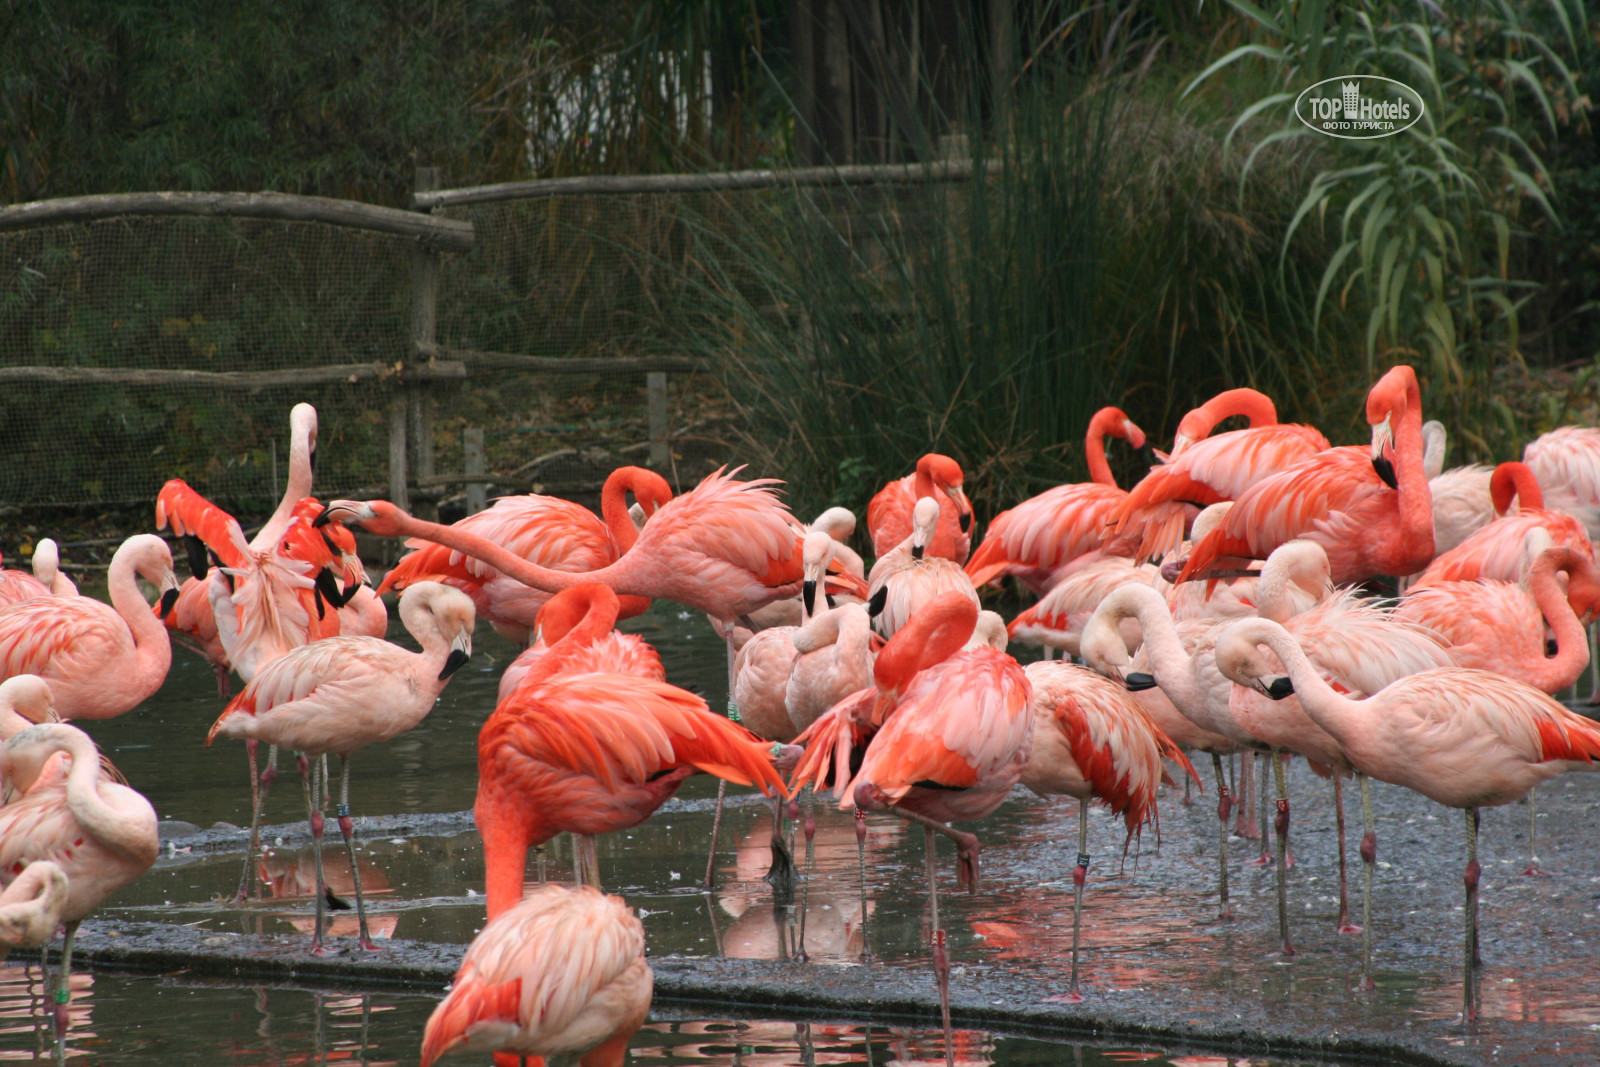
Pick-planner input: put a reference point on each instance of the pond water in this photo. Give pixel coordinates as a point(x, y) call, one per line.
point(125, 1021)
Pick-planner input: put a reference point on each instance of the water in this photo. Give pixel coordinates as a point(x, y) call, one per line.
point(123, 1021)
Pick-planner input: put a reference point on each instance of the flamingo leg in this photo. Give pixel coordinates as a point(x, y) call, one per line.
point(966, 847)
point(861, 859)
point(1369, 859)
point(1265, 859)
point(308, 784)
point(805, 886)
point(247, 881)
point(941, 958)
point(586, 859)
point(722, 785)
point(1281, 825)
point(347, 831)
point(1245, 824)
point(1224, 808)
point(1080, 874)
point(1345, 925)
point(538, 862)
point(63, 998)
point(1473, 874)
point(1533, 870)
point(269, 775)
point(1188, 784)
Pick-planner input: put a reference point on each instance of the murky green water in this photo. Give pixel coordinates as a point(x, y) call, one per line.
point(122, 1021)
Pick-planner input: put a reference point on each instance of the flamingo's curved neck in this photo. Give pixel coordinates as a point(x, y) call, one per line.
point(1105, 421)
point(1515, 481)
point(1414, 547)
point(598, 619)
point(1253, 405)
point(1572, 642)
point(933, 635)
point(481, 548)
point(614, 507)
point(1169, 662)
point(297, 483)
point(151, 644)
point(110, 828)
point(421, 624)
point(1344, 719)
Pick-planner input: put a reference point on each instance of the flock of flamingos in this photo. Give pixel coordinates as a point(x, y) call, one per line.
point(1217, 607)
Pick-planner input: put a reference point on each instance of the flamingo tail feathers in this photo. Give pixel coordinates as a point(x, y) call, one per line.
point(471, 1003)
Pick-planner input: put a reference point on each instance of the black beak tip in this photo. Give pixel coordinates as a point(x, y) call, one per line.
point(454, 663)
point(1385, 471)
point(168, 600)
point(1139, 681)
point(322, 519)
point(917, 551)
point(966, 523)
point(808, 596)
point(879, 599)
point(1279, 688)
point(195, 550)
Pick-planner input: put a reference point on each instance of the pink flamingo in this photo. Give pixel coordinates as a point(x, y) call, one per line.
point(546, 530)
point(1461, 501)
point(1500, 626)
point(20, 585)
point(909, 576)
point(1040, 538)
point(100, 833)
point(25, 701)
point(47, 579)
point(1058, 619)
point(1203, 472)
point(889, 512)
point(591, 752)
point(341, 694)
point(1252, 405)
point(1092, 741)
point(953, 729)
point(561, 974)
point(1496, 551)
point(612, 653)
point(1463, 738)
point(1567, 463)
point(31, 906)
point(1370, 512)
point(100, 660)
point(833, 658)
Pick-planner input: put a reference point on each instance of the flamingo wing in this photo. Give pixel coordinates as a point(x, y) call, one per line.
point(59, 636)
point(1046, 532)
point(192, 515)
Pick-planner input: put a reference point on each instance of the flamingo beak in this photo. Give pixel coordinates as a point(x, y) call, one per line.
point(808, 595)
point(917, 551)
point(963, 507)
point(1382, 444)
point(1139, 681)
point(169, 594)
point(1277, 689)
point(460, 652)
point(879, 599)
point(195, 549)
point(1132, 433)
point(344, 511)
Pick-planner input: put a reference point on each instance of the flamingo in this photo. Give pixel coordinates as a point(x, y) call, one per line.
point(47, 579)
point(1500, 626)
point(546, 530)
point(1567, 463)
point(846, 581)
point(21, 585)
point(840, 524)
point(25, 701)
point(1202, 472)
point(1372, 514)
point(557, 975)
point(1251, 404)
point(953, 730)
point(1461, 500)
point(833, 658)
point(1042, 537)
point(31, 906)
point(1461, 737)
point(593, 751)
point(889, 511)
point(1057, 620)
point(614, 652)
point(725, 548)
point(1496, 551)
point(100, 660)
point(341, 694)
point(909, 576)
point(1092, 741)
point(100, 833)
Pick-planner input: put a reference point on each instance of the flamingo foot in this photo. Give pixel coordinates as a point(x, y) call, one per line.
point(1533, 870)
point(1071, 997)
point(1348, 927)
point(369, 945)
point(1263, 860)
point(967, 864)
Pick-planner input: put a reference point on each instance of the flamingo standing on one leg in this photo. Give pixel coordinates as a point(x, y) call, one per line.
point(1041, 538)
point(31, 906)
point(1463, 738)
point(558, 974)
point(100, 833)
point(889, 511)
point(1092, 741)
point(593, 751)
point(341, 694)
point(725, 547)
point(100, 660)
point(1370, 512)
point(546, 530)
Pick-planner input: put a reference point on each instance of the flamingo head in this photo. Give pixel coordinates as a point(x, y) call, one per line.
point(935, 633)
point(152, 561)
point(374, 516)
point(816, 552)
point(839, 523)
point(29, 696)
point(924, 521)
point(1239, 657)
point(1391, 399)
point(935, 471)
point(429, 610)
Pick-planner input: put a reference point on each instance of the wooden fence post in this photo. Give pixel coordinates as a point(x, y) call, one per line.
point(424, 328)
point(656, 402)
point(473, 467)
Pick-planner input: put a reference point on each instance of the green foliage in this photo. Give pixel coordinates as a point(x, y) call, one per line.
point(1421, 225)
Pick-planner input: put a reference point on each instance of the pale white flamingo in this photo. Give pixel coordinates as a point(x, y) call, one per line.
point(100, 660)
point(561, 974)
point(1567, 463)
point(1461, 500)
point(833, 658)
point(341, 694)
point(31, 906)
point(101, 833)
point(1463, 738)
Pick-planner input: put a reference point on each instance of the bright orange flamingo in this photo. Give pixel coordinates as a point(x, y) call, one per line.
point(1206, 470)
point(910, 575)
point(1042, 537)
point(557, 975)
point(545, 530)
point(1462, 738)
point(1370, 511)
point(947, 733)
point(1497, 551)
point(1092, 741)
point(31, 906)
point(725, 547)
point(593, 752)
point(613, 653)
point(889, 511)
point(100, 660)
point(340, 694)
point(1500, 626)
point(100, 833)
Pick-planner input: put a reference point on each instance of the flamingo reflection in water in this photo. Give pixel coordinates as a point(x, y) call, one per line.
point(292, 875)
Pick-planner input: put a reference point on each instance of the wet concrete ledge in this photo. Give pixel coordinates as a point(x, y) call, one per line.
point(880, 994)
